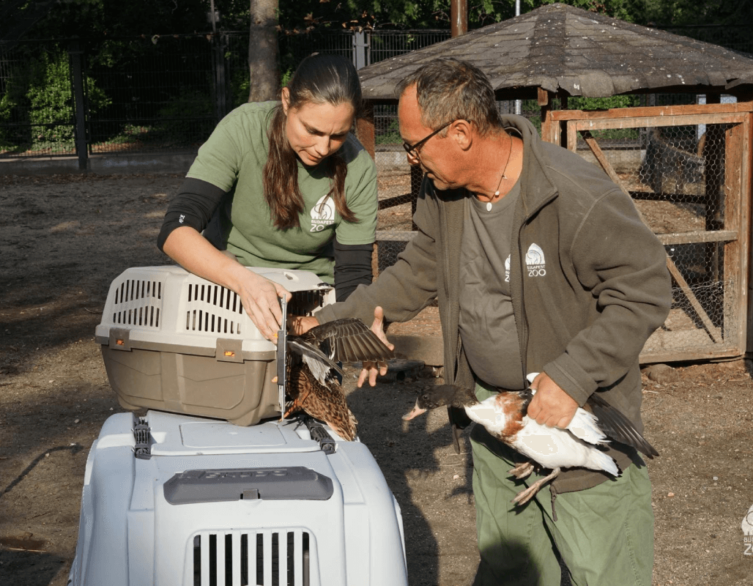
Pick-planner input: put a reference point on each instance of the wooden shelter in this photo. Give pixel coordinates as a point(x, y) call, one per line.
point(687, 168)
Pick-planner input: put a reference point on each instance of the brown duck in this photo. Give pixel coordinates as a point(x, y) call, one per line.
point(312, 364)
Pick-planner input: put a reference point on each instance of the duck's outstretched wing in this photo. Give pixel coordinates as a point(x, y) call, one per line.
point(348, 340)
point(618, 427)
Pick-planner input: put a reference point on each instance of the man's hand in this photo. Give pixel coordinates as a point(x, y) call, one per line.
point(371, 369)
point(551, 406)
point(301, 324)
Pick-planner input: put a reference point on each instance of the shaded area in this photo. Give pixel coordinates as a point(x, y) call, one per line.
point(74, 449)
point(29, 568)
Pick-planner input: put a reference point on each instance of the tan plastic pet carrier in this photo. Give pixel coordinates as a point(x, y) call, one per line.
point(175, 342)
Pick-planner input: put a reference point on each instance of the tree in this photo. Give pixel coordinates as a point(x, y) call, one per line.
point(263, 51)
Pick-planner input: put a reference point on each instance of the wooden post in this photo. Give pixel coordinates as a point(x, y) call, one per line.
point(458, 17)
point(367, 137)
point(365, 129)
point(545, 105)
point(735, 218)
point(562, 139)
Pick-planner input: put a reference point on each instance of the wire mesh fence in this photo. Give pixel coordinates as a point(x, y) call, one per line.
point(383, 44)
point(162, 95)
point(167, 92)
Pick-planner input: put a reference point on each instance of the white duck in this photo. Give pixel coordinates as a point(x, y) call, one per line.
point(504, 417)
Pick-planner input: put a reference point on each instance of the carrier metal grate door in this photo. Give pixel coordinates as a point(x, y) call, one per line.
point(258, 558)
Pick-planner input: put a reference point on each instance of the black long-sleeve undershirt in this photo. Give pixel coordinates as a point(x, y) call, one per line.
point(197, 202)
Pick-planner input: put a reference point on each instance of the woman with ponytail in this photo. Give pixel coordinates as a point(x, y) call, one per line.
point(281, 184)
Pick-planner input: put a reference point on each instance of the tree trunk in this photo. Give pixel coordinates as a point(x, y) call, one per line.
point(263, 52)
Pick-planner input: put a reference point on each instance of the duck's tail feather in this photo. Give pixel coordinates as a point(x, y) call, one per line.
point(618, 427)
point(459, 420)
point(600, 461)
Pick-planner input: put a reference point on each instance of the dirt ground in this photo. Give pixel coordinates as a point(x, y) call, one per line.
point(64, 238)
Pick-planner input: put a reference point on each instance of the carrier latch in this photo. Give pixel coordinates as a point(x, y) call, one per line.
point(282, 350)
point(319, 434)
point(142, 434)
point(120, 339)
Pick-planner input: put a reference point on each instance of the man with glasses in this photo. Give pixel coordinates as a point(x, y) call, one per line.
point(540, 264)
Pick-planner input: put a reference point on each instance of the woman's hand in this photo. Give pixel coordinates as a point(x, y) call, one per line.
point(261, 300)
point(371, 369)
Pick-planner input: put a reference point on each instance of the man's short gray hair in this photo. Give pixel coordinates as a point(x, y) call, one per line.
point(448, 90)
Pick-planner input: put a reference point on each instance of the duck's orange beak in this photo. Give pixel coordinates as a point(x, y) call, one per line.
point(414, 413)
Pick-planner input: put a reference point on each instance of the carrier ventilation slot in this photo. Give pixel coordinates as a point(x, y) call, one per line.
point(202, 321)
point(210, 296)
point(214, 295)
point(252, 559)
point(133, 291)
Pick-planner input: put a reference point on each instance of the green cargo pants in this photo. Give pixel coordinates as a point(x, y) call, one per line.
point(604, 534)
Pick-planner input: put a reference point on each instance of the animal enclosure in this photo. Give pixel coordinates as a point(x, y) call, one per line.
point(687, 169)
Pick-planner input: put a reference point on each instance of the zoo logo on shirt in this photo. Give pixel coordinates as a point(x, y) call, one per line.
point(747, 527)
point(535, 262)
point(322, 214)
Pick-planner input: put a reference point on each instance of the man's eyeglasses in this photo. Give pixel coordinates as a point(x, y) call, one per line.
point(412, 150)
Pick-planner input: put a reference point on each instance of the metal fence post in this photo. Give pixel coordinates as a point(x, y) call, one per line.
point(360, 58)
point(220, 84)
point(82, 151)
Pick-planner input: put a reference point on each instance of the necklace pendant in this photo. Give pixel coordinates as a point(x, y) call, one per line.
point(489, 206)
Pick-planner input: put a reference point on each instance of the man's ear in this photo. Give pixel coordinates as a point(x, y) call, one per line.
point(462, 133)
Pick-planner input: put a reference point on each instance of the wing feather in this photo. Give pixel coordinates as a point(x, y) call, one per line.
point(349, 340)
point(613, 423)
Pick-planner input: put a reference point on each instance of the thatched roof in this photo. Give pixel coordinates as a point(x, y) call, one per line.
point(561, 48)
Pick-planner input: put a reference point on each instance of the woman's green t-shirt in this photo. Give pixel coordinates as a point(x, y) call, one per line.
point(233, 159)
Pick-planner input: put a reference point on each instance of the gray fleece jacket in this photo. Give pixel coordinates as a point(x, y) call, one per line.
point(593, 290)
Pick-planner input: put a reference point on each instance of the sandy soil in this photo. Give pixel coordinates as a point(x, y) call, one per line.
point(63, 239)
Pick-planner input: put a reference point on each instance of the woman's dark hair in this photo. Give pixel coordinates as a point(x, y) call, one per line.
point(318, 79)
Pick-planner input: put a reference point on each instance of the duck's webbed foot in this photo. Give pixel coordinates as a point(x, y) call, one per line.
point(526, 495)
point(292, 407)
point(522, 470)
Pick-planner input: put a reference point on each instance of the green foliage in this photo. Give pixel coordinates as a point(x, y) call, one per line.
point(40, 93)
point(240, 86)
point(185, 119)
point(286, 77)
point(51, 101)
point(603, 103)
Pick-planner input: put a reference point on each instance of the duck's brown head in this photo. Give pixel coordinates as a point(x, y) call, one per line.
point(441, 396)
